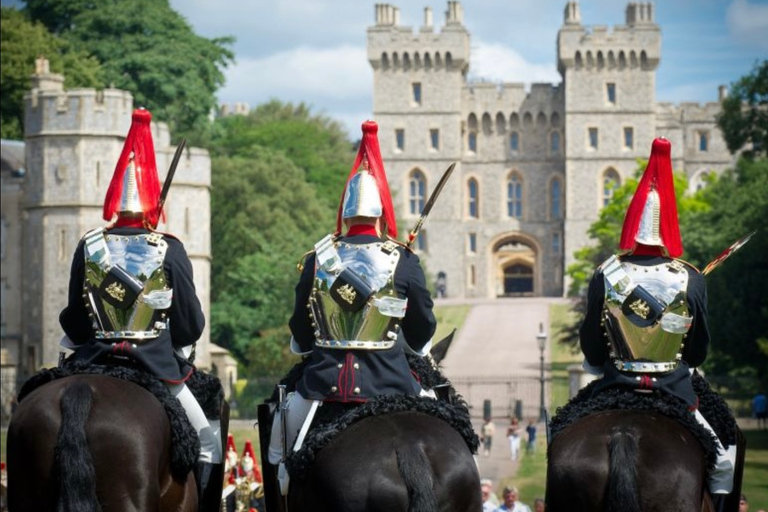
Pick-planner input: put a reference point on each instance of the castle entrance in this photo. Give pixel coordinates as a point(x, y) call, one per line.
point(515, 258)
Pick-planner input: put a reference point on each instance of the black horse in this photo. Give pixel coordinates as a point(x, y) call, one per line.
point(627, 461)
point(92, 443)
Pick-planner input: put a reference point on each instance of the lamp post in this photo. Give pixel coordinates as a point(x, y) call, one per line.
point(541, 340)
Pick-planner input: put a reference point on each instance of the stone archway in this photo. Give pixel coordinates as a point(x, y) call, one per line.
point(515, 260)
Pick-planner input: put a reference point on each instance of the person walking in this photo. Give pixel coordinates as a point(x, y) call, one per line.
point(513, 435)
point(487, 436)
point(530, 447)
point(760, 409)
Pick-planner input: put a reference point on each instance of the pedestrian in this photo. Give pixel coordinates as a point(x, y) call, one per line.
point(760, 409)
point(513, 435)
point(487, 436)
point(743, 504)
point(510, 502)
point(531, 431)
point(539, 505)
point(490, 502)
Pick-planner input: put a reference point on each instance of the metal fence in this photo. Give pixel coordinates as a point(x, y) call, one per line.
point(508, 396)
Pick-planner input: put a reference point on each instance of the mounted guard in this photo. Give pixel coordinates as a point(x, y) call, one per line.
point(132, 298)
point(646, 323)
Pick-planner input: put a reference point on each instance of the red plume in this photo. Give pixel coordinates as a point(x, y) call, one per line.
point(370, 148)
point(138, 144)
point(657, 176)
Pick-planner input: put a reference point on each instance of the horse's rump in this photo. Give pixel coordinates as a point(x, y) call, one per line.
point(124, 430)
point(625, 461)
point(398, 461)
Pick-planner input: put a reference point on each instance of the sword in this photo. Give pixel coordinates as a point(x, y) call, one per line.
point(427, 207)
point(169, 176)
point(735, 246)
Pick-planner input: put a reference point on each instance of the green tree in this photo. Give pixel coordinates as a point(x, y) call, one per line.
point(744, 116)
point(738, 310)
point(265, 216)
point(21, 42)
point(147, 48)
point(314, 143)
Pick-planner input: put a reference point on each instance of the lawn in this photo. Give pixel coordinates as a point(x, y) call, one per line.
point(448, 319)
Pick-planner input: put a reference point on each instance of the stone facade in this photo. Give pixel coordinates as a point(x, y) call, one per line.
point(55, 194)
point(535, 164)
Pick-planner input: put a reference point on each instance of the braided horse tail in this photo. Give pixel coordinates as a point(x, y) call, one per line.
point(73, 461)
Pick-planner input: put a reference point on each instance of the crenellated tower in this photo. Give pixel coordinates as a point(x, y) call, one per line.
point(609, 75)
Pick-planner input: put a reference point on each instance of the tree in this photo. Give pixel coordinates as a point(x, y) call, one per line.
point(738, 311)
point(22, 42)
point(150, 50)
point(314, 143)
point(265, 216)
point(744, 116)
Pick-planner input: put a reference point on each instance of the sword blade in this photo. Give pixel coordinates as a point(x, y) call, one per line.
point(428, 206)
point(738, 244)
point(170, 175)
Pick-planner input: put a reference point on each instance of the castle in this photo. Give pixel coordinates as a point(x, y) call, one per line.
point(53, 186)
point(534, 166)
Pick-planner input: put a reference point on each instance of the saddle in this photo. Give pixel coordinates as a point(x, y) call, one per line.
point(711, 405)
point(185, 445)
point(333, 417)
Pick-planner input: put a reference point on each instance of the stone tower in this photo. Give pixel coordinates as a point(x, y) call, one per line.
point(73, 140)
point(610, 109)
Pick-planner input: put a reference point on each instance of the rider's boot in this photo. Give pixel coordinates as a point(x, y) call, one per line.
point(210, 481)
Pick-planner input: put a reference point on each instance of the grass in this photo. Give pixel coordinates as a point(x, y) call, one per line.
point(755, 484)
point(448, 319)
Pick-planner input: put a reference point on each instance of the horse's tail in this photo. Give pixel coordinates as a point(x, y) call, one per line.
point(77, 490)
point(416, 472)
point(622, 494)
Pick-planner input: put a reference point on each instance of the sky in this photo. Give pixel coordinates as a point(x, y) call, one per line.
point(314, 51)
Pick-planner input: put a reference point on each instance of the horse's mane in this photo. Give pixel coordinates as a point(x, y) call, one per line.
point(711, 405)
point(185, 445)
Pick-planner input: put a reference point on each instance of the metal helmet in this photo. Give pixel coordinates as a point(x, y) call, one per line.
point(651, 218)
point(367, 193)
point(135, 187)
point(361, 197)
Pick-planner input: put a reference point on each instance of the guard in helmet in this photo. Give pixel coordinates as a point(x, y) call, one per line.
point(132, 295)
point(357, 293)
point(646, 321)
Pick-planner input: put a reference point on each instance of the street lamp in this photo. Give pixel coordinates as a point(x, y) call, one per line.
point(541, 340)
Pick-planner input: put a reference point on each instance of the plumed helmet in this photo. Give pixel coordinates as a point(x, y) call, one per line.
point(366, 193)
point(651, 218)
point(135, 187)
point(248, 450)
point(231, 443)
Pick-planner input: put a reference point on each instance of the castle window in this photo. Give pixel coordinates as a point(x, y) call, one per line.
point(579, 61)
point(473, 204)
point(644, 60)
point(427, 62)
point(555, 199)
point(703, 141)
point(472, 142)
point(593, 138)
point(514, 120)
point(514, 141)
point(541, 120)
point(472, 243)
point(555, 120)
point(501, 124)
point(514, 196)
point(416, 61)
point(472, 276)
point(610, 92)
point(527, 120)
point(434, 138)
point(417, 93)
point(63, 244)
point(554, 140)
point(395, 60)
point(611, 182)
point(448, 60)
point(622, 60)
point(632, 59)
point(629, 135)
point(406, 61)
point(417, 188)
point(487, 124)
point(556, 243)
point(384, 62)
point(400, 139)
point(600, 60)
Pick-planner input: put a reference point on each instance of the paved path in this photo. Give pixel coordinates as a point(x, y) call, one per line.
point(498, 339)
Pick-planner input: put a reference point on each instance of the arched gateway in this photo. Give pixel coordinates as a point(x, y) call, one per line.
point(516, 269)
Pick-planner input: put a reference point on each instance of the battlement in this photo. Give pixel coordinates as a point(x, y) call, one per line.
point(636, 45)
point(479, 97)
point(690, 111)
point(395, 47)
